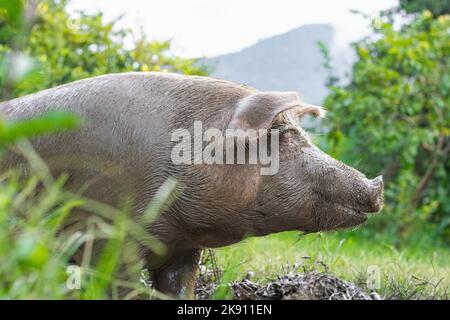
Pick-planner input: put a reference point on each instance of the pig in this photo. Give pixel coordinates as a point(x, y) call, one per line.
point(124, 151)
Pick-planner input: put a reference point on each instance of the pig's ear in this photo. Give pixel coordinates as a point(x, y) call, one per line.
point(259, 110)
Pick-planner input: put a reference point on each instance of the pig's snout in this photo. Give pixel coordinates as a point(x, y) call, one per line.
point(376, 197)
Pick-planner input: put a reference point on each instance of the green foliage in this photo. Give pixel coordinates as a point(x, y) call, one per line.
point(50, 122)
point(37, 243)
point(230, 274)
point(393, 119)
point(32, 263)
point(42, 47)
point(61, 48)
point(15, 70)
point(412, 272)
point(12, 16)
point(437, 7)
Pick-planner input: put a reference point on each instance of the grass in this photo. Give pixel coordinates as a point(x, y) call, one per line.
point(37, 245)
point(407, 273)
point(34, 254)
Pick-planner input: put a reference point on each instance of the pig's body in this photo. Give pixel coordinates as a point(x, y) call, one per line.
point(124, 150)
point(124, 146)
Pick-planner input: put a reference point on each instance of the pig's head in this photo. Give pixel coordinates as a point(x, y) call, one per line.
point(311, 191)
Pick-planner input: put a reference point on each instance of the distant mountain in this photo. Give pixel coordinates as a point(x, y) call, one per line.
point(289, 61)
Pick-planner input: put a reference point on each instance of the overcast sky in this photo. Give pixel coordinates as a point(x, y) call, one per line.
point(212, 27)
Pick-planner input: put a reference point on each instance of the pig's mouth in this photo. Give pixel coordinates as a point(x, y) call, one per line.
point(353, 212)
point(336, 217)
point(347, 217)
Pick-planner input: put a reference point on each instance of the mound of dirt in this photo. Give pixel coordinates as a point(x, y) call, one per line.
point(294, 286)
point(312, 285)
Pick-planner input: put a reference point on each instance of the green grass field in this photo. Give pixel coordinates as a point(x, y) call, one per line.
point(34, 256)
point(408, 273)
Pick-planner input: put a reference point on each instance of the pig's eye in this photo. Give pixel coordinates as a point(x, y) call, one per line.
point(289, 137)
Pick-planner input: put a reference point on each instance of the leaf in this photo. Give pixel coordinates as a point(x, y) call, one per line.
point(50, 122)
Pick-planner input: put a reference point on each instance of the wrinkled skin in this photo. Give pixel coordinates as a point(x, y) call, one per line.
point(124, 151)
point(329, 194)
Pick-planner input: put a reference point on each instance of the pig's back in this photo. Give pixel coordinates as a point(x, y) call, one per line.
point(128, 123)
point(140, 100)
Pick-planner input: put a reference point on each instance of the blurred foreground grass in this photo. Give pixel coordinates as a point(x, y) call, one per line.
point(41, 233)
point(36, 249)
point(416, 272)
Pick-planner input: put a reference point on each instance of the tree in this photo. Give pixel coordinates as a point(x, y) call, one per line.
point(39, 48)
point(14, 69)
point(436, 7)
point(67, 48)
point(393, 119)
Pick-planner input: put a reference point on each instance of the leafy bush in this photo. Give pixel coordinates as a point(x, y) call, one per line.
point(40, 48)
point(392, 119)
point(61, 48)
point(37, 242)
point(436, 7)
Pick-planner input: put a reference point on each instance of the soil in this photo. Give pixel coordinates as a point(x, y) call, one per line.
point(311, 285)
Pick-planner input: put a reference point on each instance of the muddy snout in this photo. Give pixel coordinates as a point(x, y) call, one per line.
point(376, 201)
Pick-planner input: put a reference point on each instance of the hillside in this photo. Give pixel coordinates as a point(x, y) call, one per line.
point(289, 61)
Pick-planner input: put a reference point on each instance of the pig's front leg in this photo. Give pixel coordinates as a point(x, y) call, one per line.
point(176, 277)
